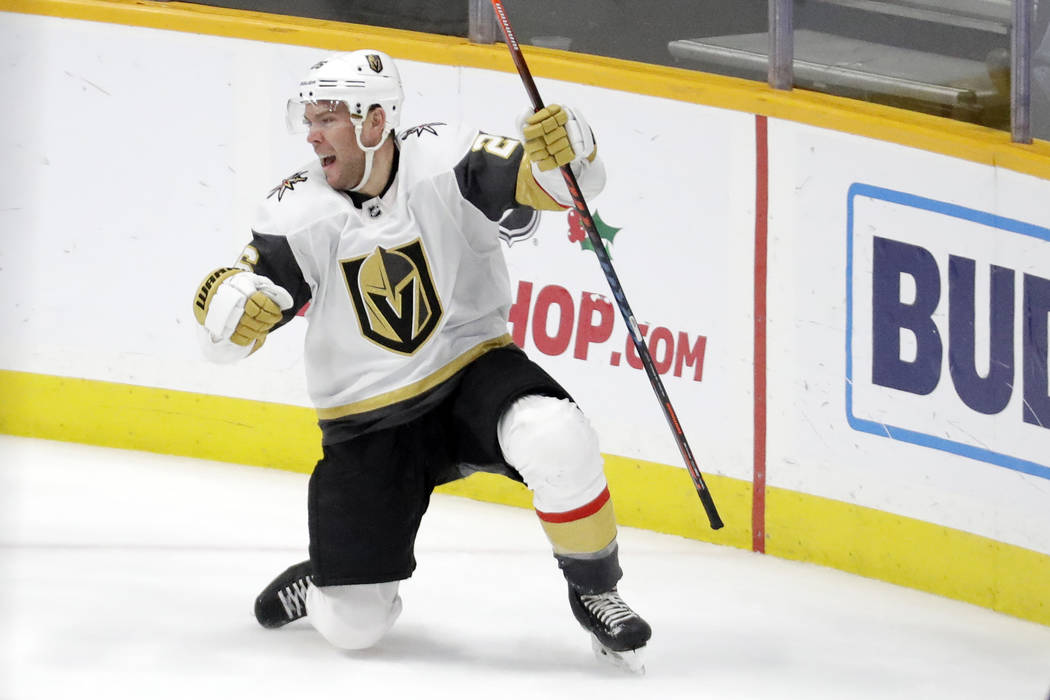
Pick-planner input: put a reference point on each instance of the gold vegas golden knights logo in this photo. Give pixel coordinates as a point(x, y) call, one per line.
point(393, 293)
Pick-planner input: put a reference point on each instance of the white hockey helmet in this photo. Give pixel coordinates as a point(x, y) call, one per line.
point(360, 79)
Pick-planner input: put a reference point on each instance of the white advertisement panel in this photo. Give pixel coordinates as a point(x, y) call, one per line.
point(142, 172)
point(948, 308)
point(907, 361)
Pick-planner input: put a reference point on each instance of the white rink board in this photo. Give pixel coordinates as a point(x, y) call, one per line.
point(141, 171)
point(162, 166)
point(835, 432)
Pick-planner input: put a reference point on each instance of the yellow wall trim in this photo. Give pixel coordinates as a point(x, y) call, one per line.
point(647, 495)
point(938, 135)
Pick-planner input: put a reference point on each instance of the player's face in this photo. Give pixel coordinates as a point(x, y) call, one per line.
point(332, 135)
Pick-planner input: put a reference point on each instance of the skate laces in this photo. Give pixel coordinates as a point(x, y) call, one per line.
point(293, 597)
point(608, 607)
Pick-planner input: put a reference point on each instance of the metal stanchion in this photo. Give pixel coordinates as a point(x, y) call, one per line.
point(1021, 73)
point(781, 44)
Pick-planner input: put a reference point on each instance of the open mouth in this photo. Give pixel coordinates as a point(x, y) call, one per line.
point(327, 160)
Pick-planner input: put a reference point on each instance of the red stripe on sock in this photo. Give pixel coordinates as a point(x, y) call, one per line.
point(578, 513)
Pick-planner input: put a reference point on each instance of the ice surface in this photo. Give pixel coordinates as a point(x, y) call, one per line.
point(132, 575)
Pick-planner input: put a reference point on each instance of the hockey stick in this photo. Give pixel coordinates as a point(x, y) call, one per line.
point(580, 204)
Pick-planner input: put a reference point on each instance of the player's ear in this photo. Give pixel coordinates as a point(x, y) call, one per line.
point(377, 117)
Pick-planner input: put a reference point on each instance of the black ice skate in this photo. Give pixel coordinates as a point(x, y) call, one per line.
point(284, 600)
point(618, 633)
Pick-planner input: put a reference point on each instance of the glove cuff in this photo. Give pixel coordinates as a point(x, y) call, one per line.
point(206, 292)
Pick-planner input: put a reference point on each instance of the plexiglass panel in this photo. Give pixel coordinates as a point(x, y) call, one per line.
point(1040, 93)
point(951, 58)
point(639, 30)
point(945, 57)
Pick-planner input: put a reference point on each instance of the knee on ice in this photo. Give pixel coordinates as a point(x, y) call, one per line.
point(353, 617)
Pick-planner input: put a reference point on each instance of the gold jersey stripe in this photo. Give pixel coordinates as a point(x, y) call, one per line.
point(415, 388)
point(584, 536)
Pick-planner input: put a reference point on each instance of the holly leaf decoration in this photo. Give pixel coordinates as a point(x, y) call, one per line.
point(578, 234)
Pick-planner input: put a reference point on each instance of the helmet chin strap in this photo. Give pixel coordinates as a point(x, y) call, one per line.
point(369, 155)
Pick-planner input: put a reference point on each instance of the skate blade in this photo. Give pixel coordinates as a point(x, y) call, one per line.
point(631, 661)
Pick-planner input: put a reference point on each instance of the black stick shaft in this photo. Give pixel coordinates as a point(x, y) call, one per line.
point(580, 204)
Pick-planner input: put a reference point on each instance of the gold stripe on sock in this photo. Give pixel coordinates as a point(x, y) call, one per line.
point(588, 534)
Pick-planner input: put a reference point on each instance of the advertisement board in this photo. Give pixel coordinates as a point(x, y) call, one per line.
point(907, 355)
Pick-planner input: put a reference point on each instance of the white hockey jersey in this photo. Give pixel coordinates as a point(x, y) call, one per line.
point(404, 289)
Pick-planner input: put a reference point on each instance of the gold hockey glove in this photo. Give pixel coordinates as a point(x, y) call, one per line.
point(240, 307)
point(556, 136)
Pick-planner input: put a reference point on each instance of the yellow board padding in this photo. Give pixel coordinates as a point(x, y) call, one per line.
point(909, 552)
point(159, 420)
point(646, 495)
point(936, 134)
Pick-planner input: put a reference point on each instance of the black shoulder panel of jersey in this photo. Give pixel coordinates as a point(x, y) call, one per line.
point(271, 256)
point(488, 174)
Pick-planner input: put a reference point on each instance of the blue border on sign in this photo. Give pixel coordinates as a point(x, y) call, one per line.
point(858, 189)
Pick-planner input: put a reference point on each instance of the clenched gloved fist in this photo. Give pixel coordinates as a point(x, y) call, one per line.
point(556, 136)
point(239, 306)
point(260, 314)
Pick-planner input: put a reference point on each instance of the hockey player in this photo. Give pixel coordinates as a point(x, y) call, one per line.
point(390, 241)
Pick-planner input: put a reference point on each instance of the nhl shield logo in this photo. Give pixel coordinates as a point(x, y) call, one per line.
point(394, 296)
point(375, 62)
